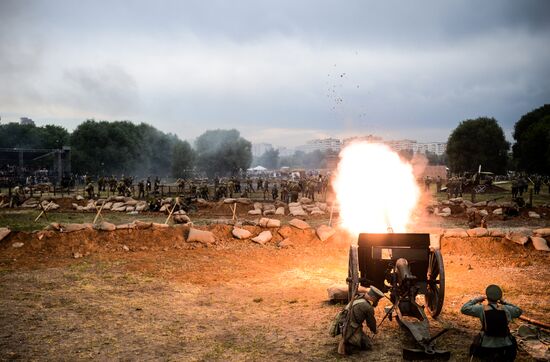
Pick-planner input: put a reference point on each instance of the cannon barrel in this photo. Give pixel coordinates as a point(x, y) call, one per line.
point(403, 270)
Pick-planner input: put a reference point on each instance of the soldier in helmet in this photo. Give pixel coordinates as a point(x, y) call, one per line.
point(362, 311)
point(141, 188)
point(90, 190)
point(494, 342)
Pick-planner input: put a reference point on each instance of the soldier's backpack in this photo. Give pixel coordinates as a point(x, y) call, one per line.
point(337, 325)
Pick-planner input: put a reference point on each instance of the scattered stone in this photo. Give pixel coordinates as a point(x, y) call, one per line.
point(241, 234)
point(477, 232)
point(325, 232)
point(533, 215)
point(280, 211)
point(4, 232)
point(286, 243)
point(17, 244)
point(483, 212)
point(125, 248)
point(455, 233)
point(106, 226)
point(201, 236)
point(497, 211)
point(79, 198)
point(263, 237)
point(540, 243)
point(300, 224)
point(77, 255)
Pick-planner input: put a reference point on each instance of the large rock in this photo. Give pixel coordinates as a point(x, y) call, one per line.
point(105, 226)
point(300, 224)
point(325, 232)
point(544, 232)
point(477, 232)
point(455, 233)
point(241, 233)
point(4, 232)
point(263, 237)
point(201, 236)
point(540, 243)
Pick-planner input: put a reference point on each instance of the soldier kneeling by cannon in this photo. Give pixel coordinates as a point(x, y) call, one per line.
point(349, 322)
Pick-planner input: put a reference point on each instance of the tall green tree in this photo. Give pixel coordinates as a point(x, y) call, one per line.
point(269, 159)
point(183, 159)
point(477, 142)
point(14, 135)
point(222, 152)
point(532, 147)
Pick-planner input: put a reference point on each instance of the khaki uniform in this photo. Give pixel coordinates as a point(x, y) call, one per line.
point(362, 311)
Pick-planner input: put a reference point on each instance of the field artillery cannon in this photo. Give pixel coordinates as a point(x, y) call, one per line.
point(406, 266)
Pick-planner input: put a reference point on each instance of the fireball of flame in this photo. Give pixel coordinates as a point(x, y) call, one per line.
point(376, 190)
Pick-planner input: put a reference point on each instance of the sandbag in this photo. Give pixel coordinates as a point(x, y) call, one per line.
point(263, 237)
point(229, 201)
point(325, 232)
point(544, 232)
point(157, 225)
point(255, 212)
point(105, 226)
point(201, 236)
point(4, 232)
point(297, 211)
point(181, 219)
point(477, 232)
point(117, 205)
point(258, 205)
point(305, 200)
point(269, 212)
point(241, 234)
point(108, 206)
point(517, 237)
point(126, 226)
point(280, 211)
point(141, 207)
point(300, 224)
point(499, 233)
point(455, 233)
point(244, 201)
point(540, 243)
point(131, 202)
point(286, 243)
point(142, 224)
point(269, 223)
point(69, 228)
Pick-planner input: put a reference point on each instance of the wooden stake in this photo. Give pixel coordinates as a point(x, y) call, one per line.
point(172, 211)
point(99, 212)
point(43, 211)
point(234, 211)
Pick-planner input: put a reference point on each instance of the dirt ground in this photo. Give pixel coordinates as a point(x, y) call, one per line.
point(166, 299)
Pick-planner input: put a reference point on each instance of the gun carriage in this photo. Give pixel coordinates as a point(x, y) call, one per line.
point(405, 266)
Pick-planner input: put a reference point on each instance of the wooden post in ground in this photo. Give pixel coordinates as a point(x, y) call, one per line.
point(99, 212)
point(43, 211)
point(172, 211)
point(234, 209)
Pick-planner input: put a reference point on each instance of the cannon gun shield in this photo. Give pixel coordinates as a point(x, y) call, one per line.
point(405, 266)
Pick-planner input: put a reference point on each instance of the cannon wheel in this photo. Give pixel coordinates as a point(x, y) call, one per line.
point(353, 271)
point(436, 283)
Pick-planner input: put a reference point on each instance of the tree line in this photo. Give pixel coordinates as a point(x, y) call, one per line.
point(481, 141)
point(122, 147)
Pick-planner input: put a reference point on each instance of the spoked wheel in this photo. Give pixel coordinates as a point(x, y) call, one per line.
point(353, 271)
point(436, 283)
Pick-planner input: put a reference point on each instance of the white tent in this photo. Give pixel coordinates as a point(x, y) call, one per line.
point(257, 168)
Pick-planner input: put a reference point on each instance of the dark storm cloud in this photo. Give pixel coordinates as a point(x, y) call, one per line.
point(412, 69)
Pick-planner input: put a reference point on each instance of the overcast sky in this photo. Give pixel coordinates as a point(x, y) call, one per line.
point(279, 71)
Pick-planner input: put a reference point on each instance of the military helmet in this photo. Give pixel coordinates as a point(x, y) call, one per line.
point(494, 293)
point(374, 294)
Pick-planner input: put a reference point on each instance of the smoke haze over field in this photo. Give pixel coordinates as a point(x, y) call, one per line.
point(280, 71)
